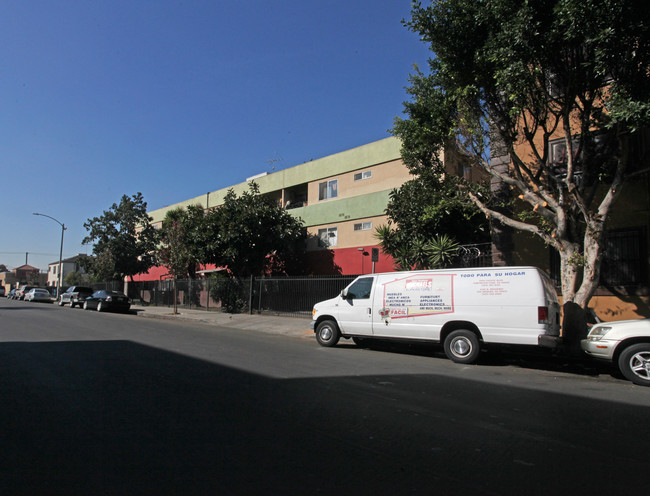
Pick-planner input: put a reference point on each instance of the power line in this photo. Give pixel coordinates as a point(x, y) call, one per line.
point(23, 252)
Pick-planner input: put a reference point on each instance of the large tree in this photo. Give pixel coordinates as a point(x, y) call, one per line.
point(252, 234)
point(174, 247)
point(183, 239)
point(515, 75)
point(124, 241)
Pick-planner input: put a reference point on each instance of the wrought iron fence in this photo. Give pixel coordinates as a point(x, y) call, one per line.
point(276, 295)
point(296, 295)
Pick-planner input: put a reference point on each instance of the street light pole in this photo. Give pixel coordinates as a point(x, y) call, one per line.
point(58, 281)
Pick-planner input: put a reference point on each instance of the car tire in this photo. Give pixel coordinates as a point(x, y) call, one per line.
point(327, 333)
point(462, 346)
point(71, 304)
point(86, 305)
point(100, 306)
point(634, 363)
point(61, 303)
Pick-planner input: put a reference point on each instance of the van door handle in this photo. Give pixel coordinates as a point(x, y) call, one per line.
point(369, 311)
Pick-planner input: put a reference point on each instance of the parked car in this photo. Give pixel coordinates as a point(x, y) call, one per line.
point(2, 291)
point(75, 295)
point(22, 291)
point(38, 294)
point(11, 294)
point(626, 343)
point(103, 300)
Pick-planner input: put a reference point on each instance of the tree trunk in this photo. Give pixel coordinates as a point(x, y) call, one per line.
point(573, 320)
point(576, 299)
point(593, 242)
point(574, 326)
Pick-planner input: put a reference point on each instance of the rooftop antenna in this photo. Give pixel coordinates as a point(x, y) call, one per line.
point(276, 158)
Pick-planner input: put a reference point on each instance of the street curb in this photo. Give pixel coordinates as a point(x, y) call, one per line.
point(240, 322)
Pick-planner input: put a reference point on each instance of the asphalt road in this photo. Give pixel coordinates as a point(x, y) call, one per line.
point(116, 404)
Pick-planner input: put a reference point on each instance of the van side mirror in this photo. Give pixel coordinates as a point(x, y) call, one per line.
point(344, 294)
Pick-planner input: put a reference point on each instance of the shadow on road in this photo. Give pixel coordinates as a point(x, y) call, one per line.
point(116, 417)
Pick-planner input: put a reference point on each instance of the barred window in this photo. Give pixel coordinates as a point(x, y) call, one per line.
point(624, 255)
point(623, 258)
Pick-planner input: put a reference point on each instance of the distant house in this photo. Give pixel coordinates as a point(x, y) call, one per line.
point(67, 266)
point(25, 274)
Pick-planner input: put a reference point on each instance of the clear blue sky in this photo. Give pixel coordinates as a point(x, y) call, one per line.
point(176, 98)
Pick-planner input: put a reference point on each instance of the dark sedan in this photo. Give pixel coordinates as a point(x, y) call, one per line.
point(104, 300)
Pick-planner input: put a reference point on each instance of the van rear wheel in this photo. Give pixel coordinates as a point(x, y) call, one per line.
point(462, 346)
point(327, 333)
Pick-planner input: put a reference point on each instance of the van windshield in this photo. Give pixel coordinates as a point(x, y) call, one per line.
point(360, 289)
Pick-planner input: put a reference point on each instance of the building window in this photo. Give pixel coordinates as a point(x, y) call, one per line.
point(328, 189)
point(602, 151)
point(465, 171)
point(328, 236)
point(558, 156)
point(358, 176)
point(363, 226)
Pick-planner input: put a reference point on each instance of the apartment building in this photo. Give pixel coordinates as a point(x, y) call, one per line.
point(624, 286)
point(340, 198)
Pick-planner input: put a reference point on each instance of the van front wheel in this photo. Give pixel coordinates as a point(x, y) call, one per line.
point(327, 333)
point(462, 346)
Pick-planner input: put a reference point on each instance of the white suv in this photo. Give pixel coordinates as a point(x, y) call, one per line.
point(626, 343)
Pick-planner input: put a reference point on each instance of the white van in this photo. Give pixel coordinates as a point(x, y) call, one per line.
point(461, 308)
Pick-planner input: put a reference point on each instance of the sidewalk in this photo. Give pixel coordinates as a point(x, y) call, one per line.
point(275, 324)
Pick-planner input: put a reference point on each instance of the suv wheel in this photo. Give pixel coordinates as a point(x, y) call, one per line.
point(634, 363)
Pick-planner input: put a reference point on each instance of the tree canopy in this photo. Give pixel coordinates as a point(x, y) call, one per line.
point(124, 241)
point(509, 78)
point(252, 234)
point(182, 240)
